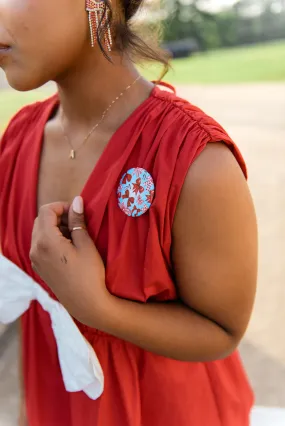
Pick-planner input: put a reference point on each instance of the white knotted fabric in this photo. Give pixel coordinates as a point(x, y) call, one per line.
point(80, 367)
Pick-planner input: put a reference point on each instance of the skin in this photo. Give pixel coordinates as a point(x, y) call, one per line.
point(214, 233)
point(214, 226)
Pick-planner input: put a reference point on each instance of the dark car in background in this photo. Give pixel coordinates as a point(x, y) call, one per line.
point(181, 48)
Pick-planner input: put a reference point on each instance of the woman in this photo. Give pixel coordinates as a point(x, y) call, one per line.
point(156, 259)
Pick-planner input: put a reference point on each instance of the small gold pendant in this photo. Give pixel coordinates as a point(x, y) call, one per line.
point(72, 154)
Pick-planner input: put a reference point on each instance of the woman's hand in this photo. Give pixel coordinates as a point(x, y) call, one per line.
point(72, 268)
point(214, 252)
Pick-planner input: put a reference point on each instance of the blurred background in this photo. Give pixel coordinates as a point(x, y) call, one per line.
point(230, 61)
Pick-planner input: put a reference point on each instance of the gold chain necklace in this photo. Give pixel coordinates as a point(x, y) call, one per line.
point(73, 151)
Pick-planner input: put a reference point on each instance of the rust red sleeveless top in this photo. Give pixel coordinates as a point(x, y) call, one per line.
point(163, 136)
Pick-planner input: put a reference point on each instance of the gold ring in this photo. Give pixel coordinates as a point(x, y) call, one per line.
point(78, 228)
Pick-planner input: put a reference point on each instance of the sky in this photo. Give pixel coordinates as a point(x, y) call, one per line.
point(219, 4)
point(214, 5)
point(210, 5)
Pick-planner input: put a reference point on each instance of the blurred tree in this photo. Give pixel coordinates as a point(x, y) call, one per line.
point(227, 23)
point(260, 20)
point(187, 19)
point(246, 22)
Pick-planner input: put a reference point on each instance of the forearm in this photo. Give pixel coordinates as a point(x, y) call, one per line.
point(168, 329)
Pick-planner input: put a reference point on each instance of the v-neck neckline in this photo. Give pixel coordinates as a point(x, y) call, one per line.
point(101, 162)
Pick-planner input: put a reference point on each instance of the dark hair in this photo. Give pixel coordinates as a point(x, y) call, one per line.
point(126, 37)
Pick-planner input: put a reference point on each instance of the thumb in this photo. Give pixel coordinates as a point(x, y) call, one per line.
point(76, 224)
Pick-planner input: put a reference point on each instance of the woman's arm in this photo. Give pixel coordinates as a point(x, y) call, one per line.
point(215, 261)
point(214, 257)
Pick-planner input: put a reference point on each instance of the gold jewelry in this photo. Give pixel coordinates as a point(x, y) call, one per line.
point(73, 151)
point(98, 16)
point(78, 228)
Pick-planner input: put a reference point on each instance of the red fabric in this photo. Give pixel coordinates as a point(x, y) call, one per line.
point(164, 136)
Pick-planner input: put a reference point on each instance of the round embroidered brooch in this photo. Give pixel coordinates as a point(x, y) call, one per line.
point(135, 192)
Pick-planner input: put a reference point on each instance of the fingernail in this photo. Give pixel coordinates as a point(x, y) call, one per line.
point(77, 205)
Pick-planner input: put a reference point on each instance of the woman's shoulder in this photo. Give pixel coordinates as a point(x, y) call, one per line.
point(27, 118)
point(190, 129)
point(181, 111)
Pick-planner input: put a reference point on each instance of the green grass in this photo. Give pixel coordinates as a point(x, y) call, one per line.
point(261, 63)
point(11, 101)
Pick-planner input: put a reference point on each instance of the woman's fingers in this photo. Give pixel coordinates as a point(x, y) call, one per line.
point(50, 214)
point(77, 225)
point(65, 232)
point(47, 236)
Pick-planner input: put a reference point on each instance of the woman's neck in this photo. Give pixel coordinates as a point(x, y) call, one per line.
point(90, 87)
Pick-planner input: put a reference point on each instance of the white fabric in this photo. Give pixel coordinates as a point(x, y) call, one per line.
point(80, 367)
point(268, 416)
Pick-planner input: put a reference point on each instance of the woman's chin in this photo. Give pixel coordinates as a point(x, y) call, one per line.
point(23, 83)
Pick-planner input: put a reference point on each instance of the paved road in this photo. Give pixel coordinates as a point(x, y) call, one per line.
point(254, 116)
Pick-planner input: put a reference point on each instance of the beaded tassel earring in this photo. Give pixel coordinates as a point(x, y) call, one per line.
point(98, 14)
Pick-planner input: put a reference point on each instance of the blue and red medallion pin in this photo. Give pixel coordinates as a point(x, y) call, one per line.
point(135, 192)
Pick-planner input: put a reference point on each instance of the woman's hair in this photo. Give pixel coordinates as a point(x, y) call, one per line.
point(127, 38)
